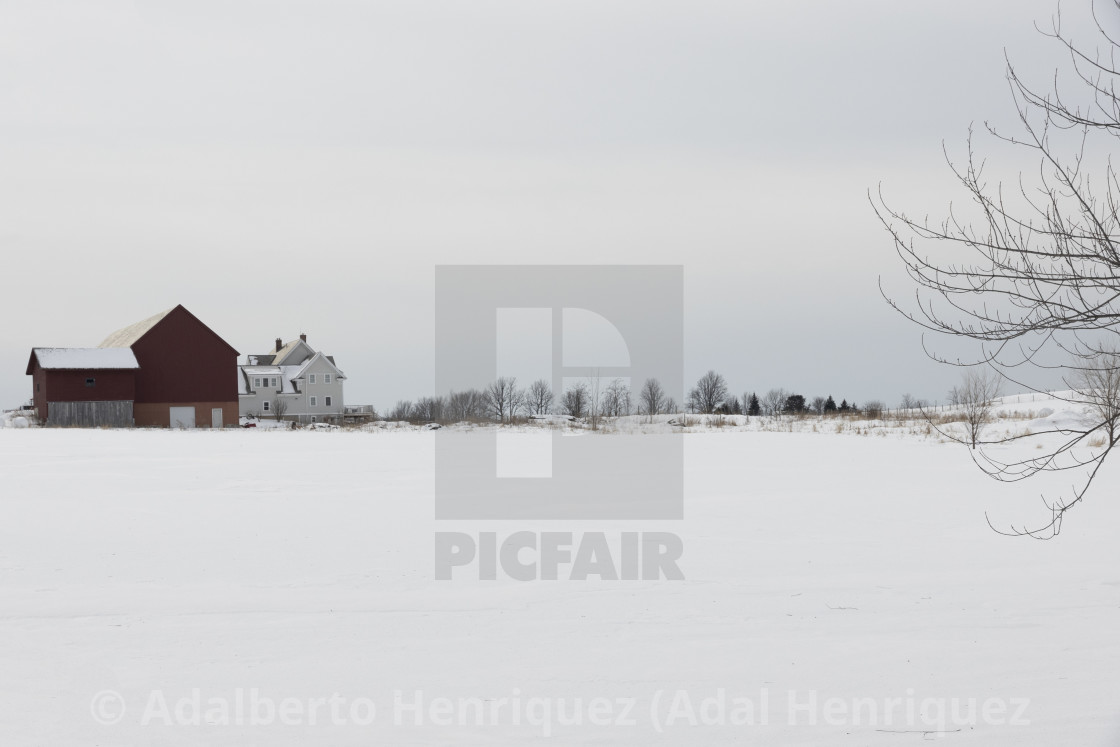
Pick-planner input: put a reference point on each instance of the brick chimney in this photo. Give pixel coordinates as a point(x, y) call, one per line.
point(279, 344)
point(303, 337)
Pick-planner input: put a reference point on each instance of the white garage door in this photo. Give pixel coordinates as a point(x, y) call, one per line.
point(182, 417)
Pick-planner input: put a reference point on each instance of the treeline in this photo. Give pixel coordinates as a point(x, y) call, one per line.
point(505, 401)
point(712, 396)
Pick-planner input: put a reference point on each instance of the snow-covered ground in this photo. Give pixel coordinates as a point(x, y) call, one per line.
point(203, 565)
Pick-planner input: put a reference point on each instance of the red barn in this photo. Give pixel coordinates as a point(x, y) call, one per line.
point(169, 370)
point(188, 374)
point(83, 386)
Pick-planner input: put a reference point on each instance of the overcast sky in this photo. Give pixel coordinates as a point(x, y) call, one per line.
point(280, 167)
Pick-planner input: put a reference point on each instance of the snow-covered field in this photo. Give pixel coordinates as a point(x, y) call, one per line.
point(208, 567)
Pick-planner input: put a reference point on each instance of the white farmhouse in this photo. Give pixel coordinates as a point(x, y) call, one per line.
point(293, 382)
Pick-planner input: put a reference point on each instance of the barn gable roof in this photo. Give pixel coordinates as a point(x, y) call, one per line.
point(128, 336)
point(80, 359)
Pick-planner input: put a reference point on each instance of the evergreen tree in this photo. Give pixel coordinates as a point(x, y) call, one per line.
point(844, 406)
point(754, 407)
point(830, 404)
point(795, 403)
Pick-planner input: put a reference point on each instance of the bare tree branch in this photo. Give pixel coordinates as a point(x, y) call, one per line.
point(1030, 268)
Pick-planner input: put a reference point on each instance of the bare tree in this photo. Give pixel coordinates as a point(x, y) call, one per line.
point(708, 394)
point(466, 405)
point(594, 399)
point(1031, 271)
point(576, 400)
point(873, 409)
point(774, 402)
point(652, 398)
point(279, 407)
point(978, 390)
point(429, 410)
point(1098, 386)
point(625, 399)
point(401, 411)
point(1096, 389)
point(503, 399)
point(692, 401)
point(616, 399)
point(817, 405)
point(538, 400)
point(908, 402)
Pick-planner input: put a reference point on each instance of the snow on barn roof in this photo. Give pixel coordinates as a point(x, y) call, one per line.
point(85, 358)
point(126, 337)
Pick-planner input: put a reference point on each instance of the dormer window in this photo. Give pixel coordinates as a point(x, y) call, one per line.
point(257, 382)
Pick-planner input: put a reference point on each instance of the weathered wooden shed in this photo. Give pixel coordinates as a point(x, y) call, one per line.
point(83, 386)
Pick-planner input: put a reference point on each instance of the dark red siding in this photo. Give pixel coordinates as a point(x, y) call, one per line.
point(69, 385)
point(183, 360)
point(39, 391)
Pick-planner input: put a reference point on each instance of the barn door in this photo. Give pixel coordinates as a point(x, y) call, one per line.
point(216, 417)
point(182, 417)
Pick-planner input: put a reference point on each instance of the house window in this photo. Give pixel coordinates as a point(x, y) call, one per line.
point(311, 379)
point(91, 382)
point(273, 384)
point(257, 382)
point(327, 401)
point(312, 418)
point(313, 401)
point(267, 405)
point(326, 379)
